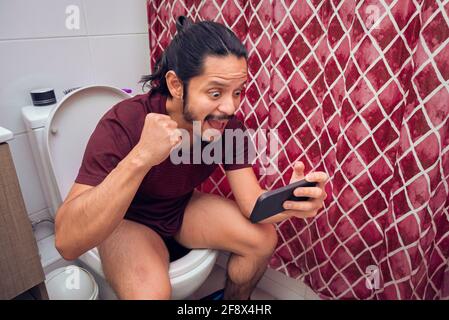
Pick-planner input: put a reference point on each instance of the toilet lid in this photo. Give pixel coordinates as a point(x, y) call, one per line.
point(70, 125)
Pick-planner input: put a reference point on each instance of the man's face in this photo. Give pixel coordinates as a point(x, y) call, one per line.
point(214, 96)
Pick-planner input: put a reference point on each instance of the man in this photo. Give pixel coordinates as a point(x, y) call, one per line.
point(129, 199)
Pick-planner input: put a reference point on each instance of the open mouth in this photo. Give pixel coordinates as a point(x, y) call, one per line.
point(217, 124)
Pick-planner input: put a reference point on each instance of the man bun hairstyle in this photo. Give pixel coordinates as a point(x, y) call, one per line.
point(183, 23)
point(188, 49)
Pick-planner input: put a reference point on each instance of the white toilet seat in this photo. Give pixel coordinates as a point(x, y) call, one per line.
point(69, 127)
point(186, 274)
point(178, 268)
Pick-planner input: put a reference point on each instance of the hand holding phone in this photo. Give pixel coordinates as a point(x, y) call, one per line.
point(271, 202)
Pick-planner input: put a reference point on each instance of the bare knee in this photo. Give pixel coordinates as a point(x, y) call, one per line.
point(135, 263)
point(263, 240)
point(145, 296)
point(144, 292)
point(147, 286)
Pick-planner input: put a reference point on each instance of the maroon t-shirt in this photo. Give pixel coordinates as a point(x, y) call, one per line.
point(162, 197)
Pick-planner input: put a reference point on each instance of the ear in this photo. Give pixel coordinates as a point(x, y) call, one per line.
point(174, 85)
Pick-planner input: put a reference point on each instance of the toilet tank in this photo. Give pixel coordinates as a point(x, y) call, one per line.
point(35, 119)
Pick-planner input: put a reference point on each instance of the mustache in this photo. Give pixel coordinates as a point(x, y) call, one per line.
point(222, 117)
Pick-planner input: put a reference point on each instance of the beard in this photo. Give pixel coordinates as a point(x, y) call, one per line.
point(186, 114)
point(190, 117)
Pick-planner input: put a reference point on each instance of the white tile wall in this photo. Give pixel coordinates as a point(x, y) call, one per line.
point(38, 50)
point(23, 19)
point(28, 64)
point(122, 17)
point(120, 60)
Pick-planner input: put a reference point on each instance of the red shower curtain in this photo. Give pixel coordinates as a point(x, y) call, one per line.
point(358, 89)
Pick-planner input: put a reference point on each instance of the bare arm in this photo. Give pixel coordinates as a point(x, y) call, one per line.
point(246, 190)
point(90, 214)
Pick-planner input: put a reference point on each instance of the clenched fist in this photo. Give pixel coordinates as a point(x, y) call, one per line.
point(159, 135)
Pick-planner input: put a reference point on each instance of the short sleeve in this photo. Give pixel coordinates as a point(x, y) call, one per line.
point(107, 146)
point(239, 151)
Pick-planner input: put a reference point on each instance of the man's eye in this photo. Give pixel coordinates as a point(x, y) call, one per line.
point(238, 93)
point(215, 94)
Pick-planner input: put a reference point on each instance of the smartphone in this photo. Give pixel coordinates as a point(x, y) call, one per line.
point(270, 203)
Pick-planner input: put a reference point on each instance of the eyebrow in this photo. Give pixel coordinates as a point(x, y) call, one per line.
point(221, 84)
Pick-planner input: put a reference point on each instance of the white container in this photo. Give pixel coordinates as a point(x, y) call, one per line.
point(71, 283)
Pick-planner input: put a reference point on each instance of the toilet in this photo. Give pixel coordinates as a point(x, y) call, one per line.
point(58, 135)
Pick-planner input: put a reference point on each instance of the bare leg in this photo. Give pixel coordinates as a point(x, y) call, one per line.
point(243, 274)
point(135, 262)
point(211, 221)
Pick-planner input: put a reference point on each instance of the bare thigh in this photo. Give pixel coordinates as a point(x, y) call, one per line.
point(211, 221)
point(135, 262)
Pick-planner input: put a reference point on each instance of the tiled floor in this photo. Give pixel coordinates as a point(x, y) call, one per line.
point(217, 278)
point(311, 295)
point(216, 281)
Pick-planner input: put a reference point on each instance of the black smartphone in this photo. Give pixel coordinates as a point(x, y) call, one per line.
point(270, 203)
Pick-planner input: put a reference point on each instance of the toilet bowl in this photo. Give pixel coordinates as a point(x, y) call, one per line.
point(60, 148)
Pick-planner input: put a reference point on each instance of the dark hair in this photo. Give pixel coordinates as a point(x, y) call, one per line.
point(186, 52)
